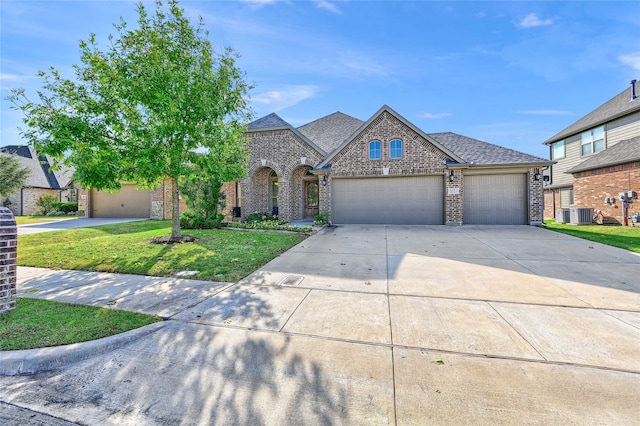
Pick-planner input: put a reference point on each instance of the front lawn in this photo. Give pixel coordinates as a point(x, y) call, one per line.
point(219, 255)
point(36, 323)
point(626, 237)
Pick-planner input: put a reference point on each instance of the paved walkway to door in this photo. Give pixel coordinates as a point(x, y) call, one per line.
point(364, 325)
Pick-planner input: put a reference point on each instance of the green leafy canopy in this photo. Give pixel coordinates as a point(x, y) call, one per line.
point(145, 108)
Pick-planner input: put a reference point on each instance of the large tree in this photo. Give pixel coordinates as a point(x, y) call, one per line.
point(144, 109)
point(12, 175)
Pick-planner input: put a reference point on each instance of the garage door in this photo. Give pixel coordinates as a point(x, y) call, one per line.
point(394, 200)
point(495, 199)
point(128, 202)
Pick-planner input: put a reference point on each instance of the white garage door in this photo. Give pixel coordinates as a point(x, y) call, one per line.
point(417, 200)
point(128, 202)
point(495, 199)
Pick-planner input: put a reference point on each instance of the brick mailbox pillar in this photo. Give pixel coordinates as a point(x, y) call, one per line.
point(8, 259)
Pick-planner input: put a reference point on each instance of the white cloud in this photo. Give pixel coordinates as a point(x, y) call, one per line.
point(285, 97)
point(631, 59)
point(532, 20)
point(256, 4)
point(328, 6)
point(362, 64)
point(436, 116)
point(545, 112)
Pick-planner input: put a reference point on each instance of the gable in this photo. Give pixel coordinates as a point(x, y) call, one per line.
point(419, 155)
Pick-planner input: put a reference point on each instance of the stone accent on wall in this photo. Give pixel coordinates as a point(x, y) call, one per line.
point(536, 198)
point(454, 197)
point(8, 259)
point(83, 202)
point(592, 187)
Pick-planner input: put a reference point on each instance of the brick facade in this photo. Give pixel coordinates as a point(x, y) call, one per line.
point(290, 157)
point(592, 187)
point(8, 258)
point(536, 197)
point(454, 197)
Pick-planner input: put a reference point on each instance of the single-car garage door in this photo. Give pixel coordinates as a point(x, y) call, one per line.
point(416, 200)
point(128, 202)
point(495, 199)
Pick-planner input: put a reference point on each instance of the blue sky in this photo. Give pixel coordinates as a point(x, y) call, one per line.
point(510, 73)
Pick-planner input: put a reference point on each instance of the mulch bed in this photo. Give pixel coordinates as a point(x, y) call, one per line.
point(168, 240)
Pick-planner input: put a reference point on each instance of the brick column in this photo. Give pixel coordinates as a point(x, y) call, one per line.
point(8, 254)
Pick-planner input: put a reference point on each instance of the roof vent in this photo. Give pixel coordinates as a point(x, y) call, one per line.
point(633, 89)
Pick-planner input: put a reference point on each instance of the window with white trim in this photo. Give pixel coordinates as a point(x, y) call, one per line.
point(592, 141)
point(374, 150)
point(395, 148)
point(557, 150)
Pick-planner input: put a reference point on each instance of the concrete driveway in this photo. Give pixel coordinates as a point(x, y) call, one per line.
point(59, 225)
point(362, 325)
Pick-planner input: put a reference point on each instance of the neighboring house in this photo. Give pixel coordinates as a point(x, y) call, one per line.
point(597, 158)
point(385, 171)
point(128, 202)
point(42, 180)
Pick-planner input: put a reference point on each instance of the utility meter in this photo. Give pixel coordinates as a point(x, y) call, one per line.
point(623, 196)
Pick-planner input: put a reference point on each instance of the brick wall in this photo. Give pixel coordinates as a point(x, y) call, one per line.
point(536, 198)
point(593, 186)
point(31, 195)
point(8, 255)
point(551, 203)
point(419, 157)
point(285, 153)
point(454, 197)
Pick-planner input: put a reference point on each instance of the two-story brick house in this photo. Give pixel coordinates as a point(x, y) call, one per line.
point(385, 171)
point(597, 158)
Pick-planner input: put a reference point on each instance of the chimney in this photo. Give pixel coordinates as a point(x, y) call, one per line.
point(633, 89)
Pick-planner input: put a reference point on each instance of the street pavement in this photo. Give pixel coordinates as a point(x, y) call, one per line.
point(403, 325)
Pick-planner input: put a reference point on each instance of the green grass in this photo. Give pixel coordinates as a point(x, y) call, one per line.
point(626, 237)
point(36, 323)
point(27, 220)
point(219, 255)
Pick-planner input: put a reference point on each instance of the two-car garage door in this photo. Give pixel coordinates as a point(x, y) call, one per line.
point(415, 200)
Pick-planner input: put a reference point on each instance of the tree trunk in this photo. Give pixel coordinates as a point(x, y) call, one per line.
point(176, 234)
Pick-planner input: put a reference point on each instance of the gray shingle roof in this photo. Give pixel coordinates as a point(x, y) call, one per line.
point(271, 121)
point(330, 131)
point(617, 107)
point(483, 153)
point(623, 152)
point(40, 173)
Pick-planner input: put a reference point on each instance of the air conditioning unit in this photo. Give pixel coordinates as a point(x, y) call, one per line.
point(581, 216)
point(562, 216)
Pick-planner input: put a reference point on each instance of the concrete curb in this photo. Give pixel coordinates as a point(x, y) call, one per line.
point(30, 361)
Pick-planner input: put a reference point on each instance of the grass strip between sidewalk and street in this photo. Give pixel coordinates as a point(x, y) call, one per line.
point(625, 237)
point(37, 323)
point(218, 254)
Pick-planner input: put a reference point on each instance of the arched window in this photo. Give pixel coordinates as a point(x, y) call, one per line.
point(374, 150)
point(395, 148)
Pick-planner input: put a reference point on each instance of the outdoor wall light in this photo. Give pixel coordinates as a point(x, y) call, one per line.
point(536, 175)
point(450, 175)
point(324, 180)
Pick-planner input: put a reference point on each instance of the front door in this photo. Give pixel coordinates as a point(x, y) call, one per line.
point(311, 199)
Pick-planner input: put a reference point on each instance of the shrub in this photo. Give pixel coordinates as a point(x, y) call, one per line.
point(45, 202)
point(69, 207)
point(193, 220)
point(264, 217)
point(321, 219)
point(268, 225)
